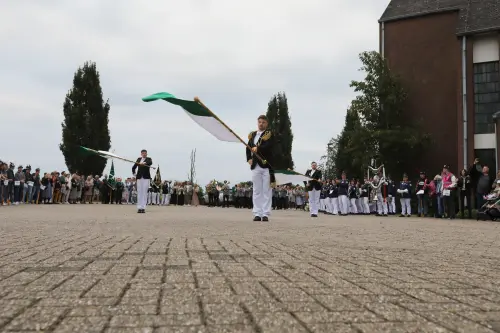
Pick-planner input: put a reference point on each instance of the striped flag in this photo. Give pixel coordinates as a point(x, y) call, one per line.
point(289, 177)
point(200, 114)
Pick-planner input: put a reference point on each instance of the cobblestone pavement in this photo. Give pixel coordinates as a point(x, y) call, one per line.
point(96, 268)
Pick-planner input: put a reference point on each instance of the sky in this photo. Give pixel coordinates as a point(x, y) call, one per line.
point(234, 55)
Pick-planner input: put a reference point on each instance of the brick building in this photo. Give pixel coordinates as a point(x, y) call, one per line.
point(447, 53)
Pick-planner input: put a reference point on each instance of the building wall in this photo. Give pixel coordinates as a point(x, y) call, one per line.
point(486, 49)
point(426, 53)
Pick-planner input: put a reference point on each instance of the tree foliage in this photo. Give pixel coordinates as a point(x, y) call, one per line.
point(85, 122)
point(375, 125)
point(281, 126)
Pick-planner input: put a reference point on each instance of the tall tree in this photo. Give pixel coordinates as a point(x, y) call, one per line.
point(281, 126)
point(396, 140)
point(85, 122)
point(352, 146)
point(375, 126)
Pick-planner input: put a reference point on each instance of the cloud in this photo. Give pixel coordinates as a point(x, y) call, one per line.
point(234, 55)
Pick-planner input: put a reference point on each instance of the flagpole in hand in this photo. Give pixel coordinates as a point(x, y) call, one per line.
point(197, 100)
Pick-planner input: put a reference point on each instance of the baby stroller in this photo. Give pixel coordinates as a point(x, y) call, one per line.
point(484, 212)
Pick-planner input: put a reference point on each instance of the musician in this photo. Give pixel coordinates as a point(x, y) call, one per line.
point(352, 197)
point(328, 187)
point(405, 193)
point(322, 197)
point(343, 195)
point(142, 174)
point(314, 188)
point(365, 193)
point(260, 152)
point(422, 191)
point(381, 193)
point(334, 196)
point(359, 200)
point(391, 196)
point(165, 190)
point(225, 194)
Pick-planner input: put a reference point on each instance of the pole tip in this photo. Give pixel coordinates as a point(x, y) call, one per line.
point(196, 99)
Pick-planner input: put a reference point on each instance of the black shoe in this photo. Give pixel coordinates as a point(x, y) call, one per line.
point(408, 215)
point(257, 219)
point(401, 215)
point(265, 219)
point(314, 215)
point(139, 211)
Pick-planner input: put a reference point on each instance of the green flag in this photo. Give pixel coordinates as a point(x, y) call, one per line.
point(111, 176)
point(200, 114)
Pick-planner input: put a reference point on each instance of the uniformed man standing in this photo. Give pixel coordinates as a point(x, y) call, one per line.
point(314, 188)
point(143, 176)
point(258, 155)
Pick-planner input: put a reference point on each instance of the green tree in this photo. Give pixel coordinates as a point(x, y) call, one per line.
point(395, 140)
point(351, 147)
point(281, 126)
point(85, 122)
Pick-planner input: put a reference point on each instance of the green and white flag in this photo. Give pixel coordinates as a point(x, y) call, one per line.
point(289, 177)
point(200, 114)
point(111, 176)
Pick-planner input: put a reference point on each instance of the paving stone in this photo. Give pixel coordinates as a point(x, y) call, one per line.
point(82, 324)
point(211, 270)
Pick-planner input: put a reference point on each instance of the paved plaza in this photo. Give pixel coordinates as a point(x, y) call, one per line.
point(105, 268)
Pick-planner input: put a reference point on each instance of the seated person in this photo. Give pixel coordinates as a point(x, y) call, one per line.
point(493, 210)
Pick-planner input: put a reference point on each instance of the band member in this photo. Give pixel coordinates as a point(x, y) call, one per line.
point(391, 196)
point(314, 188)
point(381, 193)
point(328, 197)
point(359, 200)
point(422, 191)
point(352, 197)
point(405, 192)
point(258, 155)
point(334, 195)
point(322, 197)
point(365, 192)
point(343, 195)
point(143, 177)
point(165, 190)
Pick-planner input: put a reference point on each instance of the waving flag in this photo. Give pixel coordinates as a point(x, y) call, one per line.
point(200, 114)
point(106, 154)
point(289, 177)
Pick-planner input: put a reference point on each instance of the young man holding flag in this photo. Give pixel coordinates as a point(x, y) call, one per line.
point(143, 177)
point(260, 151)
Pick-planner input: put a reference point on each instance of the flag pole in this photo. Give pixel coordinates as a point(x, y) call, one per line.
point(197, 100)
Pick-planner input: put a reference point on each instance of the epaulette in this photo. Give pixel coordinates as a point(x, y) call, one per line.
point(266, 136)
point(250, 136)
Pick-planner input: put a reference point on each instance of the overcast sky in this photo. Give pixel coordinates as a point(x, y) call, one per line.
point(234, 55)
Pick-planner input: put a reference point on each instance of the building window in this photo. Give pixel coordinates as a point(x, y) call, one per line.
point(486, 96)
point(487, 157)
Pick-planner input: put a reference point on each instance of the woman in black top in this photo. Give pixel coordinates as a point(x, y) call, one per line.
point(464, 187)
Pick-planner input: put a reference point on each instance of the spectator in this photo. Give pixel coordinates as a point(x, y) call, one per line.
point(88, 190)
point(464, 188)
point(449, 191)
point(19, 180)
point(484, 181)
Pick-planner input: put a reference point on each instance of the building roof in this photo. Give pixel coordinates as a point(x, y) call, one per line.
point(475, 16)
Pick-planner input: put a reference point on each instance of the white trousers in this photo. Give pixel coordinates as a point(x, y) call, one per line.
point(314, 201)
point(335, 206)
point(262, 192)
point(391, 203)
point(165, 200)
point(329, 206)
point(366, 207)
point(381, 204)
point(153, 198)
point(142, 193)
point(353, 209)
point(322, 205)
point(405, 206)
point(344, 204)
